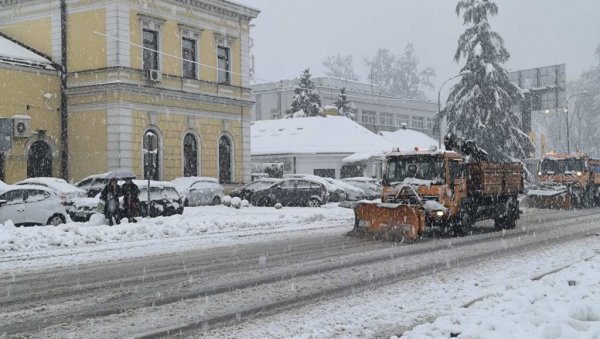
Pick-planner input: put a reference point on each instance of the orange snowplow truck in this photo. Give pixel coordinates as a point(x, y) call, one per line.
point(449, 190)
point(567, 181)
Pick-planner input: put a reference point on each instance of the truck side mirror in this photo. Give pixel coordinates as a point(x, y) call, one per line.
point(385, 180)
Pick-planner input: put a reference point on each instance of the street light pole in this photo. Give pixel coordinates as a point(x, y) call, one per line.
point(440, 104)
point(567, 116)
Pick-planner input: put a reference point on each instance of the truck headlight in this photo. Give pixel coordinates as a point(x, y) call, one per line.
point(439, 213)
point(579, 173)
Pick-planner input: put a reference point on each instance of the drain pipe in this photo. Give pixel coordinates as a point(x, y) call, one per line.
point(64, 115)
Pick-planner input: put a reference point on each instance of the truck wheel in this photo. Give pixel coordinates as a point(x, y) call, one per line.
point(463, 226)
point(506, 223)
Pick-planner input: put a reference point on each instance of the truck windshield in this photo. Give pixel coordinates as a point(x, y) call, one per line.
point(417, 167)
point(551, 166)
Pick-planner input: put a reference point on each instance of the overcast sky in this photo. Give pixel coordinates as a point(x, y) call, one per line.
point(290, 35)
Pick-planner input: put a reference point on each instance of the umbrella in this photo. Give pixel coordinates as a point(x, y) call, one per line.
point(120, 175)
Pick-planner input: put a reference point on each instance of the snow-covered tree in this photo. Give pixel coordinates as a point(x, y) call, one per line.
point(479, 106)
point(307, 100)
point(399, 76)
point(340, 67)
point(584, 105)
point(343, 105)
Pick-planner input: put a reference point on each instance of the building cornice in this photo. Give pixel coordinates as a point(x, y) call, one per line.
point(120, 87)
point(226, 9)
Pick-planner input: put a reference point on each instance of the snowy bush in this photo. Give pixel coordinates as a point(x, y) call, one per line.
point(236, 202)
point(245, 203)
point(278, 206)
point(226, 200)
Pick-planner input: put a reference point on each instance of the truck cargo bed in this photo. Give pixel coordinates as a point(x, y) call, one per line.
point(494, 178)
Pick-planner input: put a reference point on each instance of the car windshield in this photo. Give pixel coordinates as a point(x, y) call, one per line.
point(551, 166)
point(417, 167)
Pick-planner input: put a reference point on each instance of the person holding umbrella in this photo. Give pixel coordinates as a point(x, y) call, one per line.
point(110, 195)
point(131, 200)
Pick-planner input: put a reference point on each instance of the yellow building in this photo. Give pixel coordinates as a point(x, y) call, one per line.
point(151, 84)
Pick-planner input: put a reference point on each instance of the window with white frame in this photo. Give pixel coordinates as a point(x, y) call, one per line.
point(188, 54)
point(150, 41)
point(430, 124)
point(402, 119)
point(224, 65)
point(418, 122)
point(189, 51)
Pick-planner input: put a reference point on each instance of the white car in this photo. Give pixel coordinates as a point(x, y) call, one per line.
point(65, 191)
point(31, 205)
point(372, 188)
point(197, 191)
point(352, 192)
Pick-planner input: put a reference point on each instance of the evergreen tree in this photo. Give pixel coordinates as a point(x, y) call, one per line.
point(479, 106)
point(307, 100)
point(343, 105)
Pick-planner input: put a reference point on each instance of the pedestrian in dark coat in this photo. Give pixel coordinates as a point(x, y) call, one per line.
point(131, 200)
point(110, 195)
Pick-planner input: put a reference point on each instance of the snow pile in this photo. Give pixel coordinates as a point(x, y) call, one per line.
point(565, 304)
point(195, 221)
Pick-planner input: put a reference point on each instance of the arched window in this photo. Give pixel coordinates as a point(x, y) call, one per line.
point(39, 160)
point(225, 155)
point(151, 144)
point(190, 155)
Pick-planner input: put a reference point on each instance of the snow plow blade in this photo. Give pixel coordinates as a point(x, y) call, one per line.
point(551, 197)
point(393, 221)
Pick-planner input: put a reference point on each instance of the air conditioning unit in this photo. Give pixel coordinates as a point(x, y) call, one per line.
point(153, 75)
point(21, 126)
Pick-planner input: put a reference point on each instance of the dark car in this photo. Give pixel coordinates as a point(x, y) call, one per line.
point(247, 191)
point(292, 192)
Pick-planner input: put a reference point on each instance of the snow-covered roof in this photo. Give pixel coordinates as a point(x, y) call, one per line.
point(403, 139)
point(313, 135)
point(407, 139)
point(13, 53)
point(183, 183)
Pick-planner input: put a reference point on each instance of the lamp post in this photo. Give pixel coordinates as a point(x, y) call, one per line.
point(440, 104)
point(567, 117)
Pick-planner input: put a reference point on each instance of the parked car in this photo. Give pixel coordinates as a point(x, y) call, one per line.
point(336, 193)
point(164, 201)
point(247, 191)
point(94, 184)
point(31, 205)
point(164, 198)
point(371, 186)
point(196, 191)
point(84, 208)
point(65, 191)
point(292, 192)
point(353, 193)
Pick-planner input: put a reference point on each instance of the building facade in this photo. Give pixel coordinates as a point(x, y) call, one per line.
point(373, 111)
point(157, 87)
point(29, 112)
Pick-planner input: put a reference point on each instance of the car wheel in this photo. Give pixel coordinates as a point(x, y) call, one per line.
point(56, 220)
point(262, 201)
point(314, 202)
point(216, 201)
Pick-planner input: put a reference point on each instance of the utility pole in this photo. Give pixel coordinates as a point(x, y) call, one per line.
point(64, 115)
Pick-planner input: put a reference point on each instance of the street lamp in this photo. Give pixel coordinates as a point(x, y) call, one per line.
point(440, 105)
point(567, 116)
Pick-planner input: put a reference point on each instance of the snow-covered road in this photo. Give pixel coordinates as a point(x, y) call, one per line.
point(142, 280)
